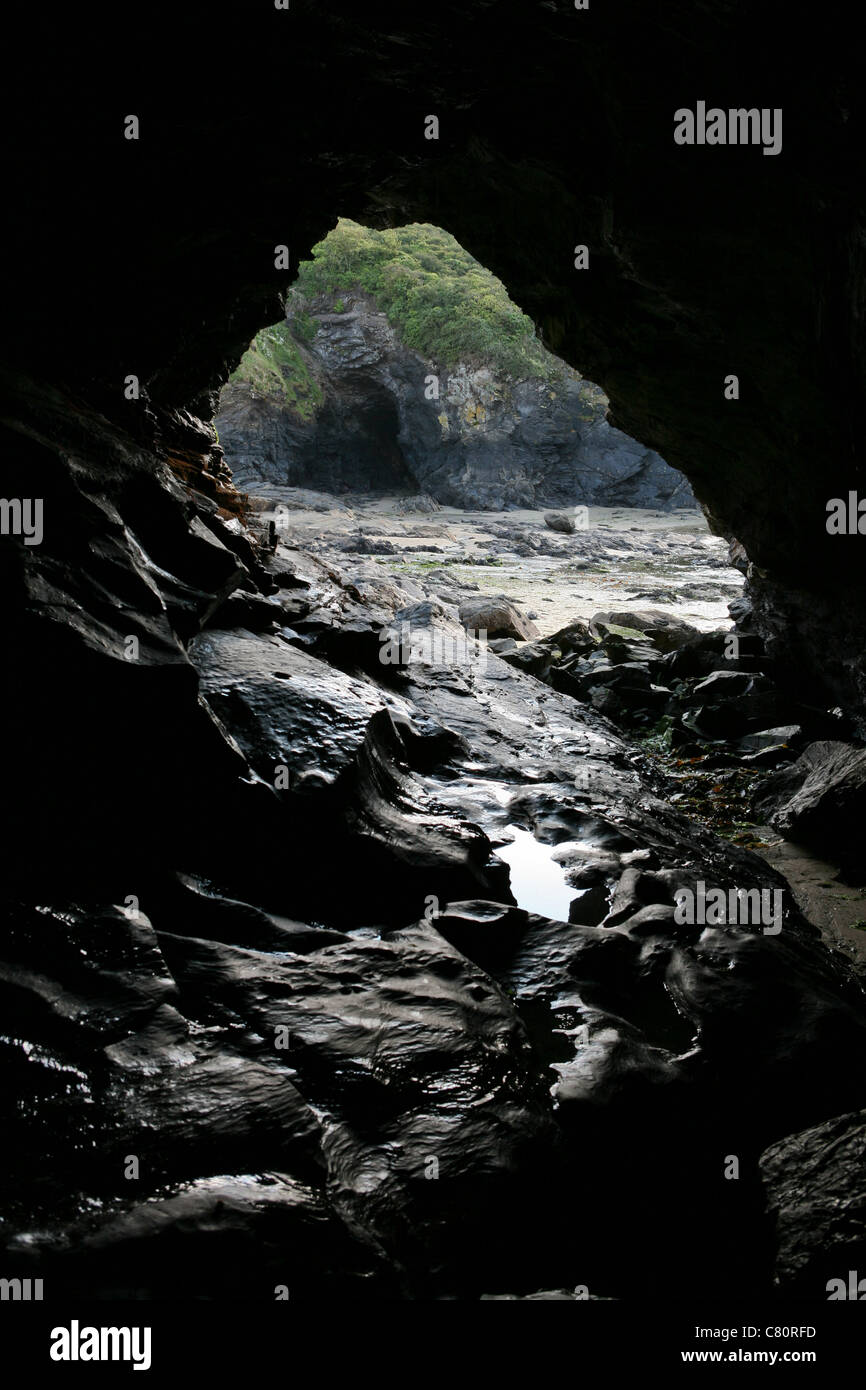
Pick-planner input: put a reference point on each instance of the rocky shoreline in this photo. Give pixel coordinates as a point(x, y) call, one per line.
point(326, 1027)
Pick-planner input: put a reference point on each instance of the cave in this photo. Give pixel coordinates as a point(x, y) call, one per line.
point(356, 445)
point(366, 444)
point(311, 1009)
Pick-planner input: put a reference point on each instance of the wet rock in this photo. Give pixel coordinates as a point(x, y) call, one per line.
point(722, 685)
point(816, 1195)
point(821, 800)
point(252, 611)
point(731, 719)
point(284, 707)
point(712, 651)
point(786, 734)
point(240, 1236)
point(533, 657)
point(109, 798)
point(769, 747)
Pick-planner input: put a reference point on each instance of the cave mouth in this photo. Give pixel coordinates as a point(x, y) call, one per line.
point(356, 448)
point(225, 828)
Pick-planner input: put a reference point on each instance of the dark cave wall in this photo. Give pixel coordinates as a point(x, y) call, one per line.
point(156, 256)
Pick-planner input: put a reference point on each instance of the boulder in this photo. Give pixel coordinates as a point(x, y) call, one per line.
point(732, 718)
point(764, 739)
point(576, 637)
point(560, 521)
point(722, 685)
point(533, 657)
point(821, 799)
point(662, 629)
point(815, 1183)
point(497, 616)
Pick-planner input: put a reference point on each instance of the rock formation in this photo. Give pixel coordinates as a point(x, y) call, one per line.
point(484, 440)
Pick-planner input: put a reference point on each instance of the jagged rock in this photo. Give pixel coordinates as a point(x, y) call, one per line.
point(731, 718)
point(764, 739)
point(368, 545)
point(821, 799)
point(664, 630)
point(284, 570)
point(422, 502)
point(576, 637)
point(426, 613)
point(816, 1195)
point(722, 685)
point(534, 657)
point(252, 611)
point(705, 652)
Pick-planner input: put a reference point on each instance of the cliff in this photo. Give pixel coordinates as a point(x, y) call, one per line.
point(355, 409)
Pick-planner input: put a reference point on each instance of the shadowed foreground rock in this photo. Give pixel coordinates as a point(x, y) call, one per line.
point(816, 1194)
point(821, 801)
point(337, 1053)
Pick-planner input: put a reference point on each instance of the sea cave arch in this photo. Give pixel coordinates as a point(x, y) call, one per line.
point(702, 263)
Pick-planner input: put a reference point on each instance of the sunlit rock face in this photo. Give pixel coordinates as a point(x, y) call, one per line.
point(471, 436)
point(170, 904)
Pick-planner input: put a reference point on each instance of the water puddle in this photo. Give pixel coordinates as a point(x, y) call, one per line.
point(537, 881)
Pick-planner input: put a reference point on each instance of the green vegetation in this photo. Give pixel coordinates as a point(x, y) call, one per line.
point(303, 325)
point(438, 298)
point(441, 302)
point(275, 368)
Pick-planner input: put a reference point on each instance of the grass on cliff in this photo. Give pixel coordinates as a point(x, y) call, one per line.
point(274, 367)
point(439, 299)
